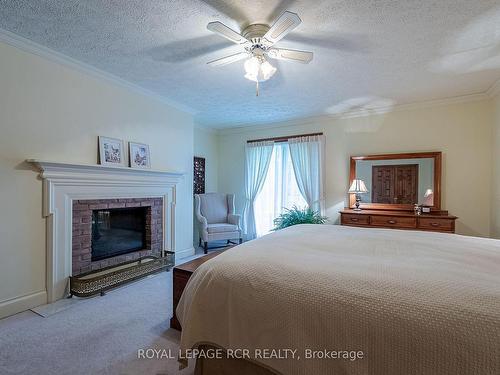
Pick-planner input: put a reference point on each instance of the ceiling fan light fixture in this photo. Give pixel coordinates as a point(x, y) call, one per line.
point(258, 69)
point(267, 70)
point(252, 66)
point(257, 41)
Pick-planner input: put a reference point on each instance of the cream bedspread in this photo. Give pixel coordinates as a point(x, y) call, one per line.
point(413, 302)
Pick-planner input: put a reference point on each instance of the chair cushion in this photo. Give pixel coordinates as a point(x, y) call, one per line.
point(213, 206)
point(222, 227)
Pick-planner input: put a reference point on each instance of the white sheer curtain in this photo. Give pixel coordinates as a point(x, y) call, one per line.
point(279, 190)
point(257, 158)
point(307, 154)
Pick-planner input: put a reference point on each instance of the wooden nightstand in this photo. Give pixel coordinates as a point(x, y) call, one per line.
point(181, 275)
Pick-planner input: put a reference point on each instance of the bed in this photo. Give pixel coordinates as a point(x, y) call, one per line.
point(411, 302)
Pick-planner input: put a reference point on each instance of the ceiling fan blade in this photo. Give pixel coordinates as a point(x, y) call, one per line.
point(282, 26)
point(228, 33)
point(180, 51)
point(303, 57)
point(228, 59)
point(348, 42)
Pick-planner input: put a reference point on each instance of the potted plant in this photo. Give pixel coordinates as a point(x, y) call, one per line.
point(296, 215)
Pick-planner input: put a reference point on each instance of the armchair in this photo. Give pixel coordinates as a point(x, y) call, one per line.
point(216, 218)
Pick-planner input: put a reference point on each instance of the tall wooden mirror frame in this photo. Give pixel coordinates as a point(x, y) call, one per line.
point(399, 207)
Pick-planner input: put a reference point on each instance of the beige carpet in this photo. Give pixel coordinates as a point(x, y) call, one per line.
point(100, 335)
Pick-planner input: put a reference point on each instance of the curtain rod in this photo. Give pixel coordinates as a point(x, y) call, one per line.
point(283, 139)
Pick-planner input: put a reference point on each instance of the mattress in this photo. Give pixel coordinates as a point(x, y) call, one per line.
point(327, 299)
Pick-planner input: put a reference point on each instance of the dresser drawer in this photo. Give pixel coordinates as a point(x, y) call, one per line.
point(429, 223)
point(355, 219)
point(393, 221)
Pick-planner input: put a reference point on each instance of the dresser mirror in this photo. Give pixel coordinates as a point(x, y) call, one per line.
point(397, 181)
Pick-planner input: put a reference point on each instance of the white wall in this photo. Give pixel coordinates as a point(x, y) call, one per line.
point(495, 213)
point(206, 146)
point(461, 131)
point(52, 112)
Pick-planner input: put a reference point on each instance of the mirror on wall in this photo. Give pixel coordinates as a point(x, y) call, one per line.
point(398, 181)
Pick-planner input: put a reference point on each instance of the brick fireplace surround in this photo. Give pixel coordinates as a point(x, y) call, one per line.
point(82, 231)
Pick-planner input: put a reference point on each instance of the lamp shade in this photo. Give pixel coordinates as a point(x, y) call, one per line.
point(428, 198)
point(358, 187)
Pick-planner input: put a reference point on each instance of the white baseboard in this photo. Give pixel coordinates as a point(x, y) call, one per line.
point(14, 305)
point(179, 254)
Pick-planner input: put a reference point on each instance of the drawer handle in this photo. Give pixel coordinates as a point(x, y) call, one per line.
point(392, 221)
point(435, 224)
point(355, 219)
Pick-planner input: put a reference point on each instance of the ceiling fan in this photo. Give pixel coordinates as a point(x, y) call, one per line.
point(257, 41)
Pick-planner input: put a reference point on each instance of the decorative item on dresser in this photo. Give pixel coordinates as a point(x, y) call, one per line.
point(358, 187)
point(405, 193)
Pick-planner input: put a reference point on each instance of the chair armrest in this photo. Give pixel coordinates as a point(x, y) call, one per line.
point(234, 219)
point(202, 220)
point(197, 211)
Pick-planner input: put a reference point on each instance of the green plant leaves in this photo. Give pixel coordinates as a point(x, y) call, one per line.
point(297, 215)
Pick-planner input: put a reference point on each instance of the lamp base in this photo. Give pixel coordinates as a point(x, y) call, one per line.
point(358, 201)
point(357, 209)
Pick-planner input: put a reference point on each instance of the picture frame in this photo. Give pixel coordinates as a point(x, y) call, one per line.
point(199, 175)
point(139, 155)
point(111, 152)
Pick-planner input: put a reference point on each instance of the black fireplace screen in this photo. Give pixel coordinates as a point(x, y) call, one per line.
point(118, 231)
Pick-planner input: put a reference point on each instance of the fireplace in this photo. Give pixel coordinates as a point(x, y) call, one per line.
point(67, 189)
point(118, 231)
point(107, 232)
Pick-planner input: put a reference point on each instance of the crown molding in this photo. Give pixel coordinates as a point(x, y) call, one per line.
point(413, 106)
point(312, 120)
point(205, 128)
point(57, 57)
point(34, 48)
point(494, 90)
point(243, 128)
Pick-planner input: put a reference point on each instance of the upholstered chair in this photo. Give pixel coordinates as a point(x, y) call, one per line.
point(216, 218)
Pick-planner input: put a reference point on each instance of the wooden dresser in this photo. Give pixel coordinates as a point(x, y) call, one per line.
point(181, 275)
point(436, 222)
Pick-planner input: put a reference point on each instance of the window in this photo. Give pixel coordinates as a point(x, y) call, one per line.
point(275, 168)
point(280, 190)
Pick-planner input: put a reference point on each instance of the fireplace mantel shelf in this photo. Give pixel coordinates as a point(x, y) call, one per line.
point(45, 166)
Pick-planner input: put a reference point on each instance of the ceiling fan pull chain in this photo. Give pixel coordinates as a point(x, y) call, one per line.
point(257, 89)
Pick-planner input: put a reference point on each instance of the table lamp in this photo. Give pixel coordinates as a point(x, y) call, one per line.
point(428, 198)
point(358, 187)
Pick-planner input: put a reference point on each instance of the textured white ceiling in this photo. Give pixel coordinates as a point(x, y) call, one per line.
point(394, 51)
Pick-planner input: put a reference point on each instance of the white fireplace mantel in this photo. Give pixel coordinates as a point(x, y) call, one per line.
point(63, 183)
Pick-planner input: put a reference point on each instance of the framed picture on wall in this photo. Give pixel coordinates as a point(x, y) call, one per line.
point(139, 155)
point(199, 175)
point(111, 152)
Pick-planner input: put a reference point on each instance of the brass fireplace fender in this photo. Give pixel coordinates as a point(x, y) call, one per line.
point(98, 282)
